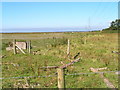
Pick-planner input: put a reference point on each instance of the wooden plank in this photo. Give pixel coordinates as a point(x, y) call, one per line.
point(76, 55)
point(22, 45)
point(50, 67)
point(106, 81)
point(20, 49)
point(115, 52)
point(64, 66)
point(61, 83)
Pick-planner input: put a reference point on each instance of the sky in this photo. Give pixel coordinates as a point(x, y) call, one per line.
point(60, 0)
point(57, 16)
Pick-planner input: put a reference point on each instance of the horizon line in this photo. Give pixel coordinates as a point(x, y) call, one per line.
point(50, 31)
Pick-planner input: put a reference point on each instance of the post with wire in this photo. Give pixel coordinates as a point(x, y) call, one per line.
point(61, 79)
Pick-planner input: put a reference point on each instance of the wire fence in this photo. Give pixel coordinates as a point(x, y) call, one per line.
point(92, 73)
point(56, 75)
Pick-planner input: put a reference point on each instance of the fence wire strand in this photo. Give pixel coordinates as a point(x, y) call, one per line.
point(92, 73)
point(64, 74)
point(29, 77)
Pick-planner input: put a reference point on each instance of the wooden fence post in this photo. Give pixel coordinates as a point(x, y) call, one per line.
point(61, 83)
point(29, 46)
point(14, 46)
point(68, 48)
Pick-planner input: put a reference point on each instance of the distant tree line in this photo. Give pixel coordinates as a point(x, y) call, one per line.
point(115, 25)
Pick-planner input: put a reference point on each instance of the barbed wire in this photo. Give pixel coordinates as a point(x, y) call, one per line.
point(64, 74)
point(92, 73)
point(28, 77)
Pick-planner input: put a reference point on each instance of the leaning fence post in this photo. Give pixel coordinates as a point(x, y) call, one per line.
point(20, 49)
point(61, 83)
point(14, 46)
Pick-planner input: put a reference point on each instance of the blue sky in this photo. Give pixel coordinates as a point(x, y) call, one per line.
point(57, 16)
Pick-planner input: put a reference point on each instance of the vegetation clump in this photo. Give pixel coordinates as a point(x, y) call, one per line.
point(114, 27)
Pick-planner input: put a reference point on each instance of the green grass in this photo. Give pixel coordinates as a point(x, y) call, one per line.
point(95, 51)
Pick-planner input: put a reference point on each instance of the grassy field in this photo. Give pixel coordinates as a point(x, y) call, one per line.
point(95, 51)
